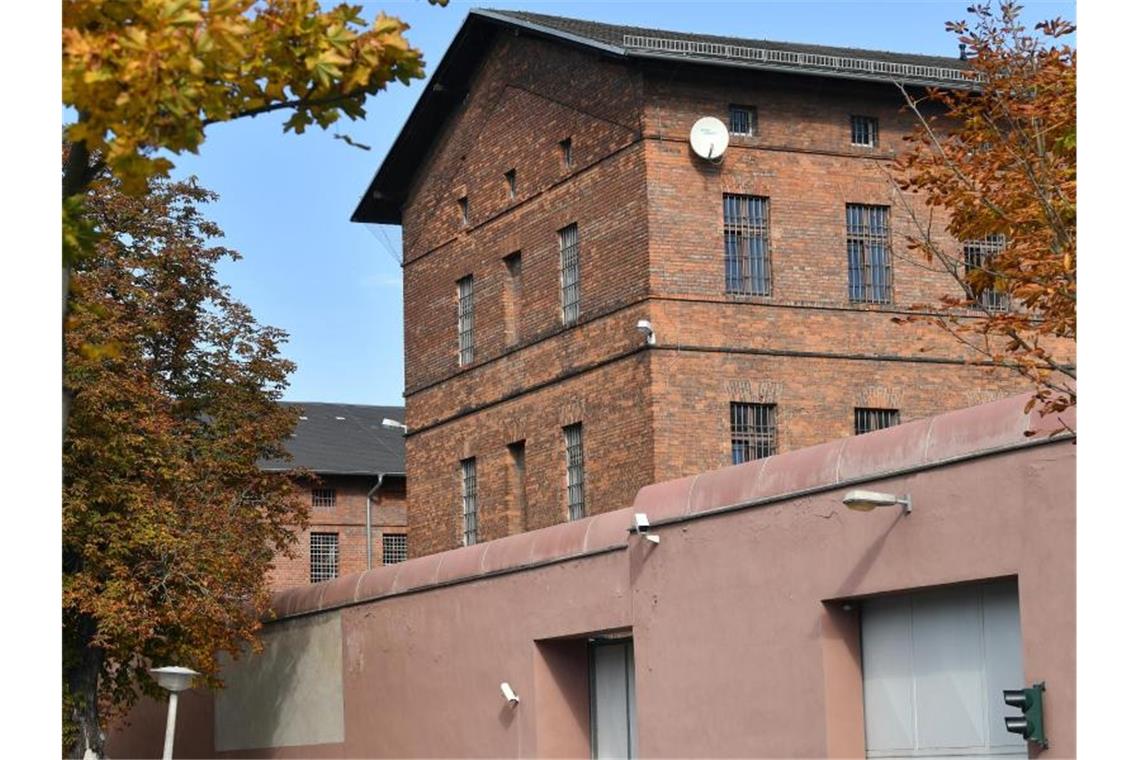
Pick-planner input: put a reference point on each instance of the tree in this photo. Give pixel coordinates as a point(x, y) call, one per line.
point(1000, 160)
point(169, 525)
point(145, 76)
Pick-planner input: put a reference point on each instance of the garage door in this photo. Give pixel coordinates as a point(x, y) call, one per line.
point(934, 666)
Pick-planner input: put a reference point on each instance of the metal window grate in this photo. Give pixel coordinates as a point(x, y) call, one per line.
point(324, 556)
point(870, 420)
point(466, 288)
point(571, 291)
point(869, 253)
point(753, 431)
point(470, 503)
point(864, 131)
point(575, 471)
point(747, 262)
point(978, 254)
point(324, 498)
point(865, 67)
point(741, 120)
point(395, 548)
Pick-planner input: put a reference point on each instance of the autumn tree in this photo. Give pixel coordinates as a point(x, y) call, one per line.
point(169, 525)
point(998, 159)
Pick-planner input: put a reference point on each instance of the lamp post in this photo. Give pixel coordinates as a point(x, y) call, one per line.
point(868, 501)
point(174, 679)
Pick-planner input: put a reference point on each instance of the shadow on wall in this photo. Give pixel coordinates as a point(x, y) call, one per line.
point(291, 694)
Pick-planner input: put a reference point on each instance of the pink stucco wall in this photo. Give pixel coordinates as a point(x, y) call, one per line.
point(743, 645)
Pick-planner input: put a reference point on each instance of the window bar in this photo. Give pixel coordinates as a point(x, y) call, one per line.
point(568, 251)
point(753, 431)
point(870, 420)
point(747, 259)
point(323, 556)
point(978, 254)
point(575, 471)
point(868, 254)
point(466, 288)
point(470, 504)
point(395, 548)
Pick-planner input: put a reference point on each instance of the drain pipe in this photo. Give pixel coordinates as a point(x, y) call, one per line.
point(368, 519)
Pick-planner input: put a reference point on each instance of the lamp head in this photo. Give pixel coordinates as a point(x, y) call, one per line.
point(174, 678)
point(868, 501)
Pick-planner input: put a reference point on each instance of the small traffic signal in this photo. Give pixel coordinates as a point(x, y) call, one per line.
point(1031, 702)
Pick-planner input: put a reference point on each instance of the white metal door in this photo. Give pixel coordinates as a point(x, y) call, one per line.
point(934, 666)
point(613, 703)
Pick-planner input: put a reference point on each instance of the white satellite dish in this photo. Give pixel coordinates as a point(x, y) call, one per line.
point(709, 137)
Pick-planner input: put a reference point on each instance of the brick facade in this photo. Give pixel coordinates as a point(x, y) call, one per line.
point(649, 215)
point(347, 520)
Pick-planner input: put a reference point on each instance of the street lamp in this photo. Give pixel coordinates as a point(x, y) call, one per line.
point(393, 424)
point(867, 501)
point(174, 679)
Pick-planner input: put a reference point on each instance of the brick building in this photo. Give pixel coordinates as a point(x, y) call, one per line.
point(358, 464)
point(551, 202)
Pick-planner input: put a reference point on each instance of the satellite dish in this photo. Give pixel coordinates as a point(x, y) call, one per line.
point(709, 138)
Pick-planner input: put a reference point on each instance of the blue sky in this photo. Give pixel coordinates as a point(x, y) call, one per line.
point(334, 286)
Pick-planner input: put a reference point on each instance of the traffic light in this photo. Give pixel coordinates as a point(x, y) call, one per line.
point(1031, 702)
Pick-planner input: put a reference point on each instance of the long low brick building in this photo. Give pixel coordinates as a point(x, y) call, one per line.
point(768, 620)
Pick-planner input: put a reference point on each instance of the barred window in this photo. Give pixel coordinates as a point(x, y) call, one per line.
point(568, 252)
point(466, 288)
point(395, 548)
point(747, 261)
point(324, 497)
point(741, 120)
point(753, 431)
point(575, 471)
point(864, 131)
point(978, 254)
point(870, 420)
point(324, 556)
point(470, 504)
point(567, 147)
point(869, 253)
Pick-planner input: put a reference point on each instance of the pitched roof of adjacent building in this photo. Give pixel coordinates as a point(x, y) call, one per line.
point(447, 87)
point(344, 439)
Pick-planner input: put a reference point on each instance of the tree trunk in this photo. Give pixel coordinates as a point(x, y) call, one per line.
point(82, 679)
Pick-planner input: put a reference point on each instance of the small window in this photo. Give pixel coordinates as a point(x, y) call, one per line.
point(747, 262)
point(977, 254)
point(864, 131)
point(395, 548)
point(511, 186)
point(324, 556)
point(470, 503)
point(870, 420)
point(568, 255)
point(463, 210)
point(324, 498)
point(466, 296)
point(753, 431)
point(869, 253)
point(575, 471)
point(742, 120)
point(512, 296)
point(567, 148)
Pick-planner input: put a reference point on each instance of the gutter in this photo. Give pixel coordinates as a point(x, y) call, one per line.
point(368, 514)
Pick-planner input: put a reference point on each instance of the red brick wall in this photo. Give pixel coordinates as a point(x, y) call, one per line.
point(651, 230)
point(346, 519)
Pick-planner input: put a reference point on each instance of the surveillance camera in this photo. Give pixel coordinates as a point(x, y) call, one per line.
point(641, 522)
point(645, 327)
point(641, 525)
point(509, 693)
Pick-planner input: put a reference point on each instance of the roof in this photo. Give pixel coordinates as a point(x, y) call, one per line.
point(990, 429)
point(383, 200)
point(344, 439)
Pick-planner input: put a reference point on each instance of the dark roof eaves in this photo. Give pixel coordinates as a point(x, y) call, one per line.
point(550, 32)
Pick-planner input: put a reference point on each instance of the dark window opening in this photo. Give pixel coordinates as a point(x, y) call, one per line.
point(575, 471)
point(324, 556)
point(747, 260)
point(741, 120)
point(753, 429)
point(570, 273)
point(466, 297)
point(869, 253)
point(978, 255)
point(470, 504)
point(870, 420)
point(864, 131)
